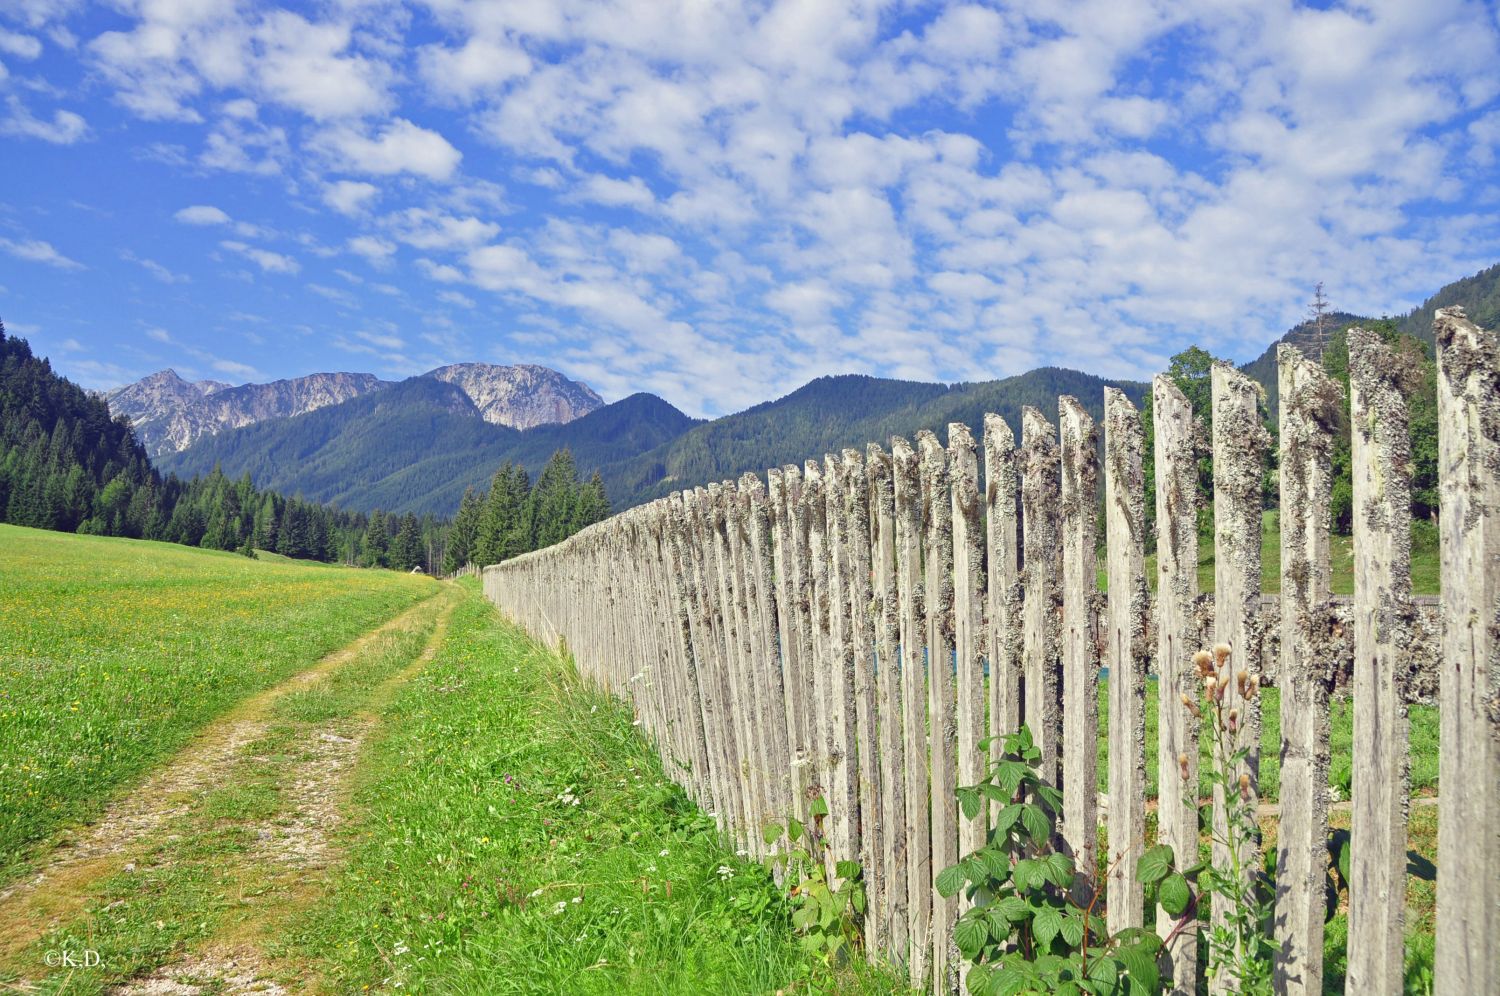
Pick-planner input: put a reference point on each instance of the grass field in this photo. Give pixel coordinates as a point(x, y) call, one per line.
point(114, 651)
point(473, 870)
point(1425, 573)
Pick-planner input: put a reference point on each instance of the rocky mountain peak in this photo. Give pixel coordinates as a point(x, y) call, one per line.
point(522, 395)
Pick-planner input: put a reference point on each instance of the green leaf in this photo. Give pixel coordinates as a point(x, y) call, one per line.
point(1013, 908)
point(978, 980)
point(1155, 864)
point(1072, 930)
point(1008, 981)
point(1046, 925)
point(847, 869)
point(1141, 966)
point(1051, 796)
point(1008, 815)
point(1174, 894)
point(996, 862)
point(969, 802)
point(1036, 822)
point(1104, 970)
point(772, 833)
point(794, 830)
point(1008, 778)
point(857, 899)
point(970, 934)
point(950, 880)
point(1059, 869)
point(1027, 873)
point(819, 807)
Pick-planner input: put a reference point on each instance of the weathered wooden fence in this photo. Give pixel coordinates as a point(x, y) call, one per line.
point(774, 637)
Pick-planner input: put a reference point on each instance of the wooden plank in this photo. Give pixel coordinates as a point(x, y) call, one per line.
point(1240, 442)
point(1003, 589)
point(820, 563)
point(863, 627)
point(1128, 623)
point(892, 793)
point(1176, 642)
point(780, 510)
point(800, 702)
point(1383, 617)
point(1040, 485)
point(1080, 659)
point(942, 735)
point(968, 624)
point(1308, 413)
point(1468, 910)
point(907, 498)
point(843, 782)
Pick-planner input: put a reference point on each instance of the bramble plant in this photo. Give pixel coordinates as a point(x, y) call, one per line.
point(825, 911)
point(1033, 926)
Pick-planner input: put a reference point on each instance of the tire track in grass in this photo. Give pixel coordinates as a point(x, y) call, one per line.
point(173, 808)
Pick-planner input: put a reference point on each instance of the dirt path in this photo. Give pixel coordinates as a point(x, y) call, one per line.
point(307, 764)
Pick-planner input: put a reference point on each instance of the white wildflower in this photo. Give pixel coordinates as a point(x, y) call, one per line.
point(663, 853)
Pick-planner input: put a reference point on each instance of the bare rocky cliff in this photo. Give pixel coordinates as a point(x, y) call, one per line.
point(169, 413)
point(520, 396)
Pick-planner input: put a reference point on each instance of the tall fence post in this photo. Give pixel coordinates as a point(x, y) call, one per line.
point(968, 622)
point(940, 705)
point(1080, 647)
point(868, 827)
point(1176, 466)
point(892, 795)
point(1002, 592)
point(1040, 552)
point(919, 871)
point(1309, 409)
point(843, 787)
point(1129, 620)
point(1383, 622)
point(1240, 443)
point(1468, 903)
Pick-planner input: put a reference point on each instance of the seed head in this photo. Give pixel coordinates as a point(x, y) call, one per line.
point(1245, 786)
point(1182, 766)
point(1203, 661)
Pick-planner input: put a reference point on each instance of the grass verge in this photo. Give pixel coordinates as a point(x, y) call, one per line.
point(516, 835)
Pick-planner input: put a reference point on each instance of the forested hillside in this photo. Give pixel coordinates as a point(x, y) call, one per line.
point(417, 445)
point(832, 413)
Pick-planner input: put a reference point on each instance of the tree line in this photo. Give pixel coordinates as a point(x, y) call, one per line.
point(515, 517)
point(66, 464)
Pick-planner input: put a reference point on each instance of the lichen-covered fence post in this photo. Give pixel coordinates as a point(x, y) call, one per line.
point(1128, 621)
point(1240, 443)
point(919, 871)
point(1080, 656)
point(941, 737)
point(1383, 628)
point(1042, 600)
point(1468, 900)
point(968, 621)
point(893, 895)
point(1002, 591)
point(864, 622)
point(1309, 407)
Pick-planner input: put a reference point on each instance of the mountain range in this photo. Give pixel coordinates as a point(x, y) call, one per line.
point(170, 414)
point(416, 444)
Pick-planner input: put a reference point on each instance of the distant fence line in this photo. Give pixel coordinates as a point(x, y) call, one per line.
point(773, 637)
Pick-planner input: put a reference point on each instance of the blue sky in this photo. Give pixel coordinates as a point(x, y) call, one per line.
point(718, 202)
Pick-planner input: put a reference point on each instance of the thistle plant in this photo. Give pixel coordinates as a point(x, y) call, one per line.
point(1241, 950)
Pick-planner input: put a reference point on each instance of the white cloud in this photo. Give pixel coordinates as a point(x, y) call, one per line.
point(202, 214)
point(270, 262)
point(156, 269)
point(480, 65)
point(37, 251)
point(399, 147)
point(374, 249)
point(349, 196)
point(235, 369)
point(65, 128)
point(19, 45)
point(305, 66)
point(382, 340)
point(423, 228)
